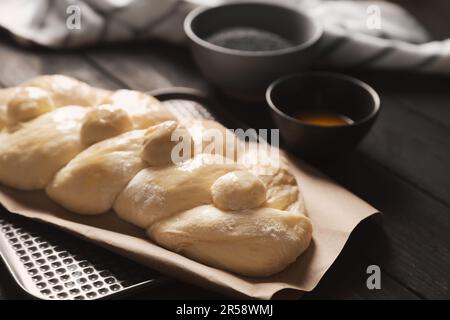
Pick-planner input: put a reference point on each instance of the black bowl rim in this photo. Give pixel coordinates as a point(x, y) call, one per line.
point(198, 11)
point(359, 83)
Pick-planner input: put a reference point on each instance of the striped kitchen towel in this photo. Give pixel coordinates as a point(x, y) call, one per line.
point(369, 34)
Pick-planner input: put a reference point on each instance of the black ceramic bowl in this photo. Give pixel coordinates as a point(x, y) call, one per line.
point(242, 73)
point(322, 91)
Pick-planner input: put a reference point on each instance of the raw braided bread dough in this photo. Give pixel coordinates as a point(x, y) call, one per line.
point(94, 150)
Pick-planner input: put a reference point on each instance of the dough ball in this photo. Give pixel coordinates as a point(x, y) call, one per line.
point(238, 190)
point(28, 103)
point(257, 242)
point(158, 144)
point(104, 122)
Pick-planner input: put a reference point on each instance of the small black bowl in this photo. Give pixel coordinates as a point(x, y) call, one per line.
point(246, 74)
point(322, 91)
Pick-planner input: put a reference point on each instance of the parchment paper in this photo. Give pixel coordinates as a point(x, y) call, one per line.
point(334, 212)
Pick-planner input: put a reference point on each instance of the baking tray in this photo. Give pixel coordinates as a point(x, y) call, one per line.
point(48, 263)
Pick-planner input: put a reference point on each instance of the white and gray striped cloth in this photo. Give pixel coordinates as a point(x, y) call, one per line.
point(400, 42)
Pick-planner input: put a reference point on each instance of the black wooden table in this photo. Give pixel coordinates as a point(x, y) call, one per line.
point(402, 168)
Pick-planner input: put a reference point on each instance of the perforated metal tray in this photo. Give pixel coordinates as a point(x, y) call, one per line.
point(51, 264)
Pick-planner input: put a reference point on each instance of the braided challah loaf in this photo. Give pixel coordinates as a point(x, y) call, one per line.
point(94, 150)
